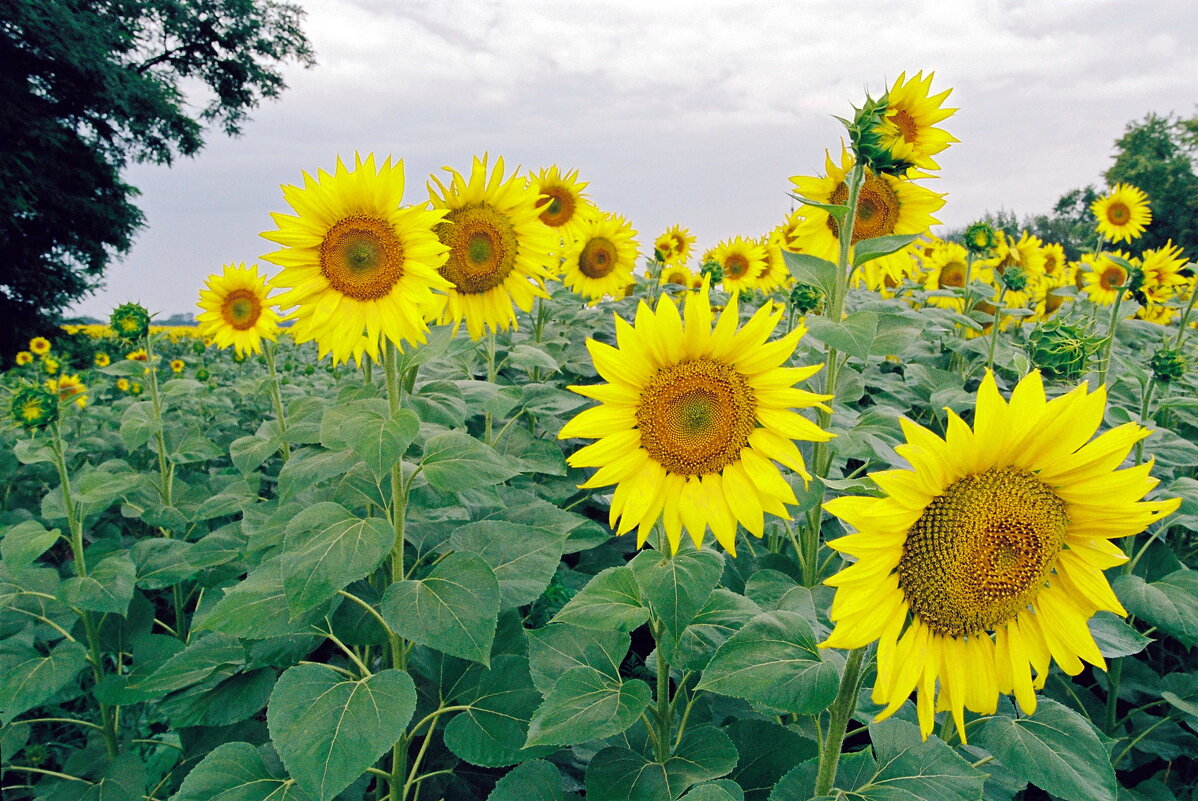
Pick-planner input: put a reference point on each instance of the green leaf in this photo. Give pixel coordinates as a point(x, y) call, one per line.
point(838, 211)
point(610, 601)
point(108, 587)
point(32, 451)
point(248, 453)
point(621, 774)
point(1055, 749)
point(559, 647)
point(870, 249)
point(25, 542)
point(808, 269)
point(455, 608)
point(865, 333)
point(523, 558)
point(256, 608)
point(675, 588)
point(722, 616)
point(767, 752)
point(326, 547)
point(1114, 637)
point(31, 679)
point(380, 440)
point(309, 468)
point(1167, 603)
point(194, 448)
point(199, 660)
point(162, 562)
point(537, 780)
point(491, 733)
point(586, 704)
point(220, 701)
point(773, 660)
point(455, 461)
point(138, 425)
point(526, 357)
point(237, 772)
point(329, 729)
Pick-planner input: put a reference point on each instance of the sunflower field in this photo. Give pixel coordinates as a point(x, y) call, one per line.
point(473, 495)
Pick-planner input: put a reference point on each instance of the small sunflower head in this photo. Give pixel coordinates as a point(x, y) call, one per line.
point(130, 321)
point(198, 347)
point(806, 298)
point(1062, 350)
point(135, 388)
point(50, 365)
point(23, 358)
point(102, 359)
point(122, 384)
point(309, 369)
point(34, 407)
point(177, 365)
point(713, 270)
point(1168, 364)
point(980, 238)
point(39, 346)
point(865, 134)
point(1014, 279)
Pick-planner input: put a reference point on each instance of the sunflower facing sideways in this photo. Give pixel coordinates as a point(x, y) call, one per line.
point(498, 247)
point(692, 419)
point(359, 267)
point(602, 258)
point(984, 560)
point(908, 125)
point(236, 311)
point(1123, 213)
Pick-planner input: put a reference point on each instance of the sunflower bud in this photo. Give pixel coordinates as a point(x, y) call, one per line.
point(34, 407)
point(1168, 365)
point(865, 134)
point(202, 374)
point(1014, 279)
point(980, 238)
point(714, 270)
point(806, 298)
point(1062, 350)
point(130, 321)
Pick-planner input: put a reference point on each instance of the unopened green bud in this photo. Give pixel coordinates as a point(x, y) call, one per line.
point(1062, 350)
point(806, 298)
point(1168, 365)
point(130, 321)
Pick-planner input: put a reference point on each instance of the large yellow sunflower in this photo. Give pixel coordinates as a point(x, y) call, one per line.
point(355, 262)
point(985, 559)
point(1104, 277)
point(561, 204)
point(602, 258)
point(236, 311)
point(498, 247)
point(742, 260)
point(886, 205)
point(908, 129)
point(1123, 214)
point(691, 419)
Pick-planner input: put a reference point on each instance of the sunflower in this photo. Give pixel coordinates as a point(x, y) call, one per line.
point(39, 346)
point(787, 231)
point(33, 406)
point(138, 355)
point(102, 359)
point(1162, 268)
point(130, 321)
point(23, 358)
point(498, 247)
point(1024, 254)
point(602, 258)
point(1123, 214)
point(691, 418)
point(985, 559)
point(50, 365)
point(684, 243)
point(1105, 278)
point(907, 130)
point(562, 205)
point(177, 365)
point(774, 275)
point(946, 268)
point(355, 263)
point(68, 387)
point(236, 311)
point(122, 384)
point(742, 260)
point(678, 275)
point(886, 206)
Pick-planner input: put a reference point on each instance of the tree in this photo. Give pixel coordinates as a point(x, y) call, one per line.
point(88, 86)
point(1070, 224)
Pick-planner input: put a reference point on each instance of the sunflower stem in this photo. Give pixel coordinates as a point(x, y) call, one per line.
point(398, 648)
point(276, 396)
point(1183, 327)
point(1109, 343)
point(665, 713)
point(1002, 293)
point(839, 715)
point(491, 373)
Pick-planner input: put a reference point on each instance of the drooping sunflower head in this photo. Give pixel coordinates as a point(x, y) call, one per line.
point(130, 321)
point(356, 262)
point(600, 262)
point(498, 248)
point(985, 559)
point(23, 358)
point(102, 359)
point(1122, 214)
point(236, 310)
point(742, 261)
point(68, 388)
point(904, 126)
point(692, 419)
point(33, 406)
point(561, 204)
point(40, 346)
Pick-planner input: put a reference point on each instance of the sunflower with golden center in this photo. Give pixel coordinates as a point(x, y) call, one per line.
point(684, 243)
point(68, 388)
point(742, 261)
point(39, 346)
point(236, 310)
point(946, 268)
point(23, 358)
point(601, 260)
point(561, 204)
point(774, 275)
point(678, 275)
point(1104, 278)
point(1161, 267)
point(886, 206)
point(908, 127)
point(102, 359)
point(984, 560)
point(1122, 214)
point(498, 247)
point(692, 419)
point(358, 267)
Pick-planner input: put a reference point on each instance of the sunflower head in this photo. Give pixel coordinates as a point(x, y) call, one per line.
point(236, 311)
point(561, 204)
point(177, 365)
point(981, 238)
point(805, 298)
point(138, 355)
point(897, 132)
point(34, 406)
point(122, 384)
point(50, 365)
point(1122, 214)
point(135, 388)
point(1062, 350)
point(39, 346)
point(602, 258)
point(102, 359)
point(130, 321)
point(68, 388)
point(202, 374)
point(742, 260)
point(1168, 364)
point(23, 358)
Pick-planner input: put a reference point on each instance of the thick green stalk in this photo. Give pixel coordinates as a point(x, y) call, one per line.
point(491, 374)
point(1109, 344)
point(1183, 327)
point(665, 714)
point(276, 396)
point(398, 648)
point(840, 713)
point(1002, 293)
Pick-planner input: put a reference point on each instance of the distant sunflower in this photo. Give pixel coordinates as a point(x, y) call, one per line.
point(1103, 280)
point(236, 310)
point(23, 358)
point(691, 419)
point(355, 262)
point(946, 268)
point(102, 359)
point(39, 346)
point(602, 258)
point(498, 247)
point(663, 249)
point(742, 260)
point(1122, 214)
point(985, 559)
point(678, 275)
point(177, 365)
point(786, 233)
point(1055, 264)
point(908, 127)
point(68, 388)
point(561, 204)
point(122, 384)
point(774, 275)
point(1024, 254)
point(138, 355)
point(1162, 268)
point(684, 243)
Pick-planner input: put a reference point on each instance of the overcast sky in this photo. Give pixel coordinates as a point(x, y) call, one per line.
point(695, 112)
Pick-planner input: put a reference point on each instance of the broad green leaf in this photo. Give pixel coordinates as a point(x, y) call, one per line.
point(329, 729)
point(865, 333)
point(31, 679)
point(869, 249)
point(108, 586)
point(138, 425)
point(524, 558)
point(675, 588)
point(237, 772)
point(310, 467)
point(455, 608)
point(1167, 603)
point(1055, 749)
point(195, 447)
point(334, 434)
point(32, 451)
point(526, 357)
point(162, 562)
point(96, 490)
point(586, 704)
point(491, 733)
point(455, 462)
point(256, 608)
point(610, 601)
point(722, 616)
point(25, 542)
point(326, 547)
point(773, 660)
point(1114, 637)
point(621, 774)
point(440, 403)
point(808, 269)
point(537, 780)
point(838, 211)
point(221, 700)
point(202, 656)
point(559, 647)
point(380, 440)
point(713, 791)
point(767, 752)
point(248, 453)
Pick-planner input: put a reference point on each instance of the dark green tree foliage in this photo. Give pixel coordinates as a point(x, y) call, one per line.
point(88, 87)
point(1071, 223)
